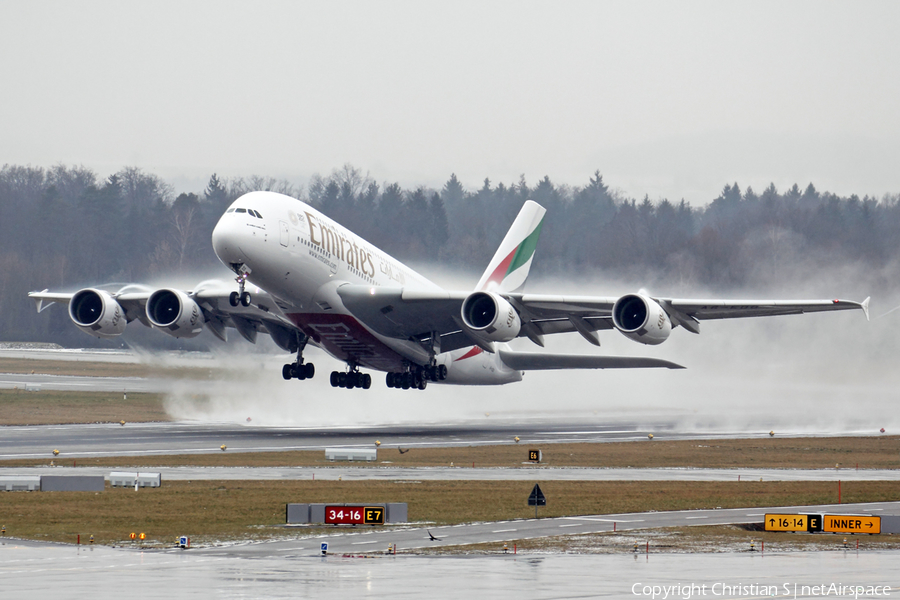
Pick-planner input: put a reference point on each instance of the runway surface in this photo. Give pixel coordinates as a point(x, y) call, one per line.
point(40, 381)
point(498, 532)
point(148, 439)
point(525, 473)
point(39, 571)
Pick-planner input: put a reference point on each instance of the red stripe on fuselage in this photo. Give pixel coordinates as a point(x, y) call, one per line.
point(343, 337)
point(475, 351)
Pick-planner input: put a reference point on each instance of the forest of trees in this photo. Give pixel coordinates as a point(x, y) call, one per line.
point(64, 227)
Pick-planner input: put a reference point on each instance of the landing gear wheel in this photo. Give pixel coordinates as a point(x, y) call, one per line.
point(366, 381)
point(234, 298)
point(309, 370)
point(389, 380)
point(245, 299)
point(422, 383)
point(287, 372)
point(442, 372)
point(335, 379)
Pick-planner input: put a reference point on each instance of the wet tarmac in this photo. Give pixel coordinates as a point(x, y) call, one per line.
point(524, 473)
point(44, 571)
point(147, 439)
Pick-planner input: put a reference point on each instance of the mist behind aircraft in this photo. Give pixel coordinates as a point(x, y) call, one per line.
point(793, 374)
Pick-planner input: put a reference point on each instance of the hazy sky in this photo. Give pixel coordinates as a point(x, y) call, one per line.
point(664, 98)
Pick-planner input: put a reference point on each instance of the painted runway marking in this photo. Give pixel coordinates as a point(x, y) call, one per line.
point(696, 517)
point(503, 530)
point(614, 520)
point(572, 525)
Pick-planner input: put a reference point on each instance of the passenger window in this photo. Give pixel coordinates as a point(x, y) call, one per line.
point(240, 210)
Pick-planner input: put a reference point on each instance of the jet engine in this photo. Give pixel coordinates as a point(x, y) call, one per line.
point(175, 313)
point(491, 317)
point(97, 313)
point(641, 319)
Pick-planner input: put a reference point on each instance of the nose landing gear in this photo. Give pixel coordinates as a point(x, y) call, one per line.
point(240, 297)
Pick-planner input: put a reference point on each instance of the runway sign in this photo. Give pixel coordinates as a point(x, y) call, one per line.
point(354, 515)
point(537, 497)
point(776, 522)
point(535, 455)
point(815, 523)
point(373, 515)
point(851, 524)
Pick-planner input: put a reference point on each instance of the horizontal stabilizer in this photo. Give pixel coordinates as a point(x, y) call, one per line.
point(541, 361)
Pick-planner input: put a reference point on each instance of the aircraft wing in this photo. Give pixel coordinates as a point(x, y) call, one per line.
point(132, 298)
point(413, 314)
point(733, 309)
point(264, 315)
point(401, 313)
point(540, 361)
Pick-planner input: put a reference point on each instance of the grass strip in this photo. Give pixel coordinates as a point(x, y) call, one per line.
point(213, 511)
point(881, 452)
point(87, 368)
point(18, 407)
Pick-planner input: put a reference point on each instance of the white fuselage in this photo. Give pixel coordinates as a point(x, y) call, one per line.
point(300, 256)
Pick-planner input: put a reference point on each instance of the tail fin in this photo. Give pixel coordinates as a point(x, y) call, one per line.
point(509, 268)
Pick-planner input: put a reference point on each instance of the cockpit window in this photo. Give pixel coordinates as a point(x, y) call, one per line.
point(240, 210)
point(257, 215)
point(229, 210)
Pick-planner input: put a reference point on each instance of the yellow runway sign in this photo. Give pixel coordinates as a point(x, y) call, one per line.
point(775, 522)
point(851, 524)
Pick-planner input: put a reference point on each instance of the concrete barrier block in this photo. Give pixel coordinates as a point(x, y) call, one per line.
point(296, 513)
point(20, 483)
point(366, 454)
point(72, 483)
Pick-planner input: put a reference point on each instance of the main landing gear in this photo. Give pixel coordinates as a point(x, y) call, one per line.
point(241, 297)
point(298, 369)
point(416, 378)
point(353, 379)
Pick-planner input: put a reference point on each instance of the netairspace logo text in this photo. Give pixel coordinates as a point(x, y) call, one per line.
point(785, 590)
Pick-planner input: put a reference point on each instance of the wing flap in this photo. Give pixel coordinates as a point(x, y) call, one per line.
point(541, 361)
point(401, 313)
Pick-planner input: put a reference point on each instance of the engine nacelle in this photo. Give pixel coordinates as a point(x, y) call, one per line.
point(97, 313)
point(491, 317)
point(175, 313)
point(641, 319)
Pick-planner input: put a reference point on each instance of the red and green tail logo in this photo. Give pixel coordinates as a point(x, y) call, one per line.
point(519, 257)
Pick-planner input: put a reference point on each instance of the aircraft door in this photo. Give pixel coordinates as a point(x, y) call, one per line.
point(285, 233)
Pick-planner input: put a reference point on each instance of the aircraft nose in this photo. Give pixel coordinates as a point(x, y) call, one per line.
point(226, 240)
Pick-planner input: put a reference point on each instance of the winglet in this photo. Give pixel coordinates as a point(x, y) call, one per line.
point(865, 306)
point(39, 300)
point(509, 268)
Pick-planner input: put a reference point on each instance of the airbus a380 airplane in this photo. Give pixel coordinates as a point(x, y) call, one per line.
point(320, 284)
